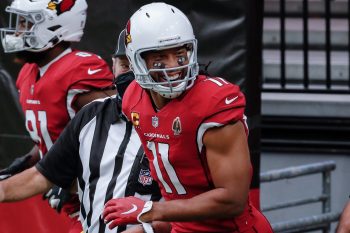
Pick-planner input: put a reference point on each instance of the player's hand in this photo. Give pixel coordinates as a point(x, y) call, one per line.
point(123, 211)
point(72, 207)
point(18, 165)
point(57, 197)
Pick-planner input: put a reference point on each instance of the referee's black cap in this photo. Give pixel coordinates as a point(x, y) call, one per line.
point(120, 48)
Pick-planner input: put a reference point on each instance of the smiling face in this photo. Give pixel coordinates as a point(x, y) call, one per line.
point(168, 58)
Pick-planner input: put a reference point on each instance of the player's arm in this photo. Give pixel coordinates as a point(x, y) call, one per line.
point(21, 163)
point(86, 97)
point(229, 163)
point(344, 222)
point(35, 155)
point(230, 167)
point(23, 185)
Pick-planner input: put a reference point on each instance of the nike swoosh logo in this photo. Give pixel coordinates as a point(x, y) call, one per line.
point(91, 72)
point(228, 101)
point(133, 209)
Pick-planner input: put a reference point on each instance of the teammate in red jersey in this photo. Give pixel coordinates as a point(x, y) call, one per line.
point(192, 128)
point(55, 81)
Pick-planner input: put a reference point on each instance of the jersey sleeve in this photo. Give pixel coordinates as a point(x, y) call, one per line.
point(61, 164)
point(225, 102)
point(225, 105)
point(90, 72)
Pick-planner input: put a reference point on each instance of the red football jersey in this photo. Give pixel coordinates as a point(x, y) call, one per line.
point(172, 138)
point(47, 101)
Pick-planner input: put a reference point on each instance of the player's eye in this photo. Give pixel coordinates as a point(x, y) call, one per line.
point(181, 60)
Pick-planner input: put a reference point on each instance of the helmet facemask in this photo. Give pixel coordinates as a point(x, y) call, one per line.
point(20, 34)
point(168, 82)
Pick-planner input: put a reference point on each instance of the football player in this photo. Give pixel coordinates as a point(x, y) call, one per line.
point(193, 131)
point(55, 80)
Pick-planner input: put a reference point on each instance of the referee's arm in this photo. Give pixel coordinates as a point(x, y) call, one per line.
point(58, 165)
point(23, 185)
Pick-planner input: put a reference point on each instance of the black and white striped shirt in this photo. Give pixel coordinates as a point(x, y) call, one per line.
point(105, 154)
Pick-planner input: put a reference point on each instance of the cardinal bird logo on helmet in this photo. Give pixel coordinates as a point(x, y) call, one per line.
point(127, 34)
point(61, 6)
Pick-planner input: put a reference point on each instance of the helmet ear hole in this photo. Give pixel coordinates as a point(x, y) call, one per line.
point(55, 40)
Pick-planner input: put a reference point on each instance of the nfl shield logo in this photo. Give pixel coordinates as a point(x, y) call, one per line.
point(145, 177)
point(32, 89)
point(155, 121)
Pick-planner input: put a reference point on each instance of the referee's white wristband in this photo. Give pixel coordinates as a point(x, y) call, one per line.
point(147, 227)
point(146, 208)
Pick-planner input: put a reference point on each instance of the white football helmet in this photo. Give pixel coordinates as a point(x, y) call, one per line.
point(159, 26)
point(36, 25)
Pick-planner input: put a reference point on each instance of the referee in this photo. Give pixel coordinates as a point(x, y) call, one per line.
point(102, 151)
